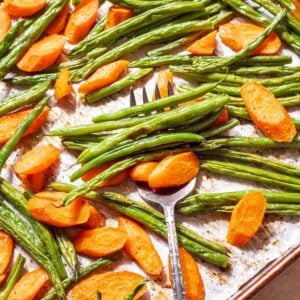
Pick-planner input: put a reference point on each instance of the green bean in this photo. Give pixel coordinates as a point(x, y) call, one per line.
point(287, 4)
point(77, 146)
point(265, 70)
point(31, 80)
point(140, 4)
point(221, 128)
point(155, 61)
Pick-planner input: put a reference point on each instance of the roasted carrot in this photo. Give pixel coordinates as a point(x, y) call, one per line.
point(142, 171)
point(139, 246)
point(223, 118)
point(246, 218)
point(96, 219)
point(37, 160)
point(44, 207)
point(174, 170)
point(104, 76)
point(5, 23)
point(115, 180)
point(267, 113)
point(63, 86)
point(296, 11)
point(204, 46)
point(117, 15)
point(21, 8)
point(36, 182)
point(59, 23)
point(238, 35)
point(7, 250)
point(111, 285)
point(9, 123)
point(30, 286)
point(164, 78)
point(42, 54)
point(100, 242)
point(81, 20)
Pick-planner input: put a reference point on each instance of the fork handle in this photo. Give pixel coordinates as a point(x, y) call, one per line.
point(178, 288)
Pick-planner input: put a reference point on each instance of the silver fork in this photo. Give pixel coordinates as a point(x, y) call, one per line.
point(167, 198)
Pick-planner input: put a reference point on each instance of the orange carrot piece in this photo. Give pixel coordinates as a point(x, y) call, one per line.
point(96, 219)
point(267, 113)
point(238, 35)
point(5, 23)
point(9, 123)
point(37, 160)
point(44, 207)
point(21, 8)
point(7, 250)
point(139, 246)
point(117, 15)
point(36, 182)
point(246, 218)
point(81, 20)
point(223, 118)
point(164, 77)
point(115, 180)
point(296, 11)
point(111, 285)
point(100, 242)
point(142, 171)
point(174, 170)
point(59, 23)
point(42, 54)
point(204, 46)
point(30, 285)
point(63, 86)
point(104, 76)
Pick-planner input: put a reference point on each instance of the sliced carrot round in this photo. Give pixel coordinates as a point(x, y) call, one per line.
point(59, 23)
point(204, 46)
point(63, 86)
point(117, 15)
point(5, 23)
point(24, 8)
point(96, 219)
point(7, 250)
point(100, 241)
point(142, 171)
point(42, 54)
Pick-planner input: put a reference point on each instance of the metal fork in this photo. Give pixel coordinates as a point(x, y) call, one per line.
point(167, 198)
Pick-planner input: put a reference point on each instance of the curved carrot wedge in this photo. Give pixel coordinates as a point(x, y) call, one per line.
point(30, 286)
point(100, 242)
point(139, 246)
point(204, 46)
point(142, 171)
point(104, 76)
point(21, 8)
point(7, 250)
point(96, 219)
point(9, 123)
point(44, 207)
point(63, 86)
point(111, 285)
point(238, 35)
point(42, 54)
point(59, 23)
point(223, 118)
point(267, 113)
point(117, 15)
point(37, 160)
point(246, 218)
point(36, 182)
point(81, 20)
point(174, 170)
point(5, 23)
point(164, 77)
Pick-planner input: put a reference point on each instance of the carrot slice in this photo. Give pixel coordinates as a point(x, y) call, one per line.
point(81, 20)
point(9, 123)
point(139, 246)
point(63, 86)
point(36, 182)
point(142, 171)
point(44, 207)
point(42, 54)
point(30, 285)
point(204, 46)
point(246, 218)
point(100, 242)
point(104, 76)
point(59, 23)
point(174, 170)
point(7, 250)
point(238, 35)
point(164, 77)
point(296, 11)
point(5, 23)
point(37, 160)
point(223, 118)
point(117, 15)
point(21, 8)
point(96, 219)
point(115, 180)
point(267, 113)
point(111, 285)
